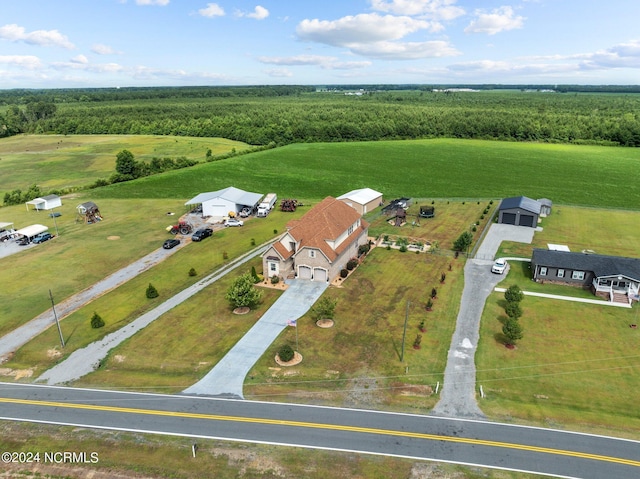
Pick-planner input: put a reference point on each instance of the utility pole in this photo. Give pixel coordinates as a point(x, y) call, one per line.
point(404, 334)
point(53, 307)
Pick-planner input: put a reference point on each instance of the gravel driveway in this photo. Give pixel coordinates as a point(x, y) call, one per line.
point(458, 396)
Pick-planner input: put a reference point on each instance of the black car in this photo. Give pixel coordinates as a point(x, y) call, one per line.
point(202, 234)
point(170, 243)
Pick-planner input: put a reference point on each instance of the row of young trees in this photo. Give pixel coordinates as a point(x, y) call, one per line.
point(301, 116)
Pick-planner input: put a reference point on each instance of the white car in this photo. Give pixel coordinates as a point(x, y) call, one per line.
point(499, 266)
point(233, 222)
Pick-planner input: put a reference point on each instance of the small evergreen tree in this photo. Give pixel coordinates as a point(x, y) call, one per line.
point(325, 308)
point(96, 321)
point(513, 310)
point(152, 292)
point(254, 275)
point(192, 272)
point(513, 294)
point(512, 331)
point(463, 241)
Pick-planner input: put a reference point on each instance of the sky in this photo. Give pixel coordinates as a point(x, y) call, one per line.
point(123, 43)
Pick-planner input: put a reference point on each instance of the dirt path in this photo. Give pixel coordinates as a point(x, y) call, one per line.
point(25, 333)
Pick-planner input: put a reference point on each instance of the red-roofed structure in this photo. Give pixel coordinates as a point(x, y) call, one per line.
point(318, 245)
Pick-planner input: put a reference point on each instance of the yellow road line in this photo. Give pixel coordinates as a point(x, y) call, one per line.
point(335, 427)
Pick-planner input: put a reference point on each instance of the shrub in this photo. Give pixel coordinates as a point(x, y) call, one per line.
point(463, 241)
point(474, 229)
point(363, 249)
point(513, 294)
point(286, 353)
point(254, 275)
point(512, 331)
point(417, 341)
point(403, 248)
point(352, 263)
point(275, 279)
point(429, 304)
point(96, 321)
point(344, 273)
point(443, 277)
point(192, 272)
point(225, 255)
point(253, 241)
point(434, 293)
point(513, 310)
point(152, 292)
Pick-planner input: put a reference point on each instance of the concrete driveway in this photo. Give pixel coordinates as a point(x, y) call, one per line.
point(227, 377)
point(458, 396)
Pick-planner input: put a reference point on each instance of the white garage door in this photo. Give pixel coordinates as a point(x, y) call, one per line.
point(304, 272)
point(319, 274)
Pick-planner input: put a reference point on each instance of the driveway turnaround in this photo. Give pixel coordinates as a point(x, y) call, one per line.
point(227, 377)
point(458, 396)
point(86, 360)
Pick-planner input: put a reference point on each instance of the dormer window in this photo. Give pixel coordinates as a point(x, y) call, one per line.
point(312, 253)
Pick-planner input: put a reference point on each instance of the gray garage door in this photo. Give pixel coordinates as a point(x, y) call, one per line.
point(319, 274)
point(304, 272)
point(509, 218)
point(526, 220)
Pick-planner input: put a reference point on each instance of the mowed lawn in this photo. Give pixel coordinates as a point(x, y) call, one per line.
point(63, 161)
point(442, 168)
point(577, 363)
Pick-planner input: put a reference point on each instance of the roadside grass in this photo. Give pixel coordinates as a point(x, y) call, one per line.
point(81, 255)
point(360, 355)
point(439, 168)
point(124, 454)
point(128, 301)
point(63, 161)
point(577, 364)
point(603, 231)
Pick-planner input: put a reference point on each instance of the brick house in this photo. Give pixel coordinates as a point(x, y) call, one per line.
point(318, 245)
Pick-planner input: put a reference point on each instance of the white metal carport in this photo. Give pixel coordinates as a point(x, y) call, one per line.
point(31, 231)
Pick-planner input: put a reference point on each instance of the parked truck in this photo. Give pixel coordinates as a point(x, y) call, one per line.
point(266, 205)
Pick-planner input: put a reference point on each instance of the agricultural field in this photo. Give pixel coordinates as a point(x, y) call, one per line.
point(63, 162)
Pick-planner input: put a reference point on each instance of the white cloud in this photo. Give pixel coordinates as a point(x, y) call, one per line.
point(327, 63)
point(260, 13)
point(29, 62)
point(279, 73)
point(499, 20)
point(434, 9)
point(101, 49)
point(161, 3)
point(80, 59)
point(406, 50)
point(363, 28)
point(212, 10)
point(45, 38)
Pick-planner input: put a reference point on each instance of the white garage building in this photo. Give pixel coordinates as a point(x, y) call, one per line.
point(219, 204)
point(45, 203)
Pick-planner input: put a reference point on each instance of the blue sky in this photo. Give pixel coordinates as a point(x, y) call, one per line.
point(110, 43)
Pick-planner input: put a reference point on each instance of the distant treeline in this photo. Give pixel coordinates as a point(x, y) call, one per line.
point(281, 115)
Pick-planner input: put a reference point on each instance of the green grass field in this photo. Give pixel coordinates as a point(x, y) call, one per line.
point(61, 161)
point(576, 175)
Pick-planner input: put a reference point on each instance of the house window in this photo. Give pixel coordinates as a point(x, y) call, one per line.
point(350, 230)
point(312, 253)
point(272, 267)
point(543, 270)
point(577, 275)
point(560, 273)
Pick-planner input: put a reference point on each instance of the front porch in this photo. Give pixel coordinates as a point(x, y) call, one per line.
point(618, 289)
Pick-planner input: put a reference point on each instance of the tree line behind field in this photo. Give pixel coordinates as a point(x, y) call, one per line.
point(283, 115)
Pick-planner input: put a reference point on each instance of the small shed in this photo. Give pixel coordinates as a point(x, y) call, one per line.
point(88, 212)
point(45, 203)
point(519, 211)
point(363, 200)
point(545, 206)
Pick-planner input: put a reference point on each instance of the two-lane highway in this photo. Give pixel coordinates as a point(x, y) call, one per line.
point(542, 451)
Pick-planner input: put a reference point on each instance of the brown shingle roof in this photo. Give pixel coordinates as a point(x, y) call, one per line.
point(325, 222)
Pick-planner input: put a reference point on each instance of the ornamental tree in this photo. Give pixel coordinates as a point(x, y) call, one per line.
point(242, 292)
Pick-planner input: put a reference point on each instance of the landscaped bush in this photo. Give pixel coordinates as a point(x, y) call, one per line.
point(352, 263)
point(363, 249)
point(344, 273)
point(96, 321)
point(192, 272)
point(286, 353)
point(513, 294)
point(275, 279)
point(152, 292)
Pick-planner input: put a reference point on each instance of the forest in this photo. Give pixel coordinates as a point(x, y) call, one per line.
point(280, 115)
